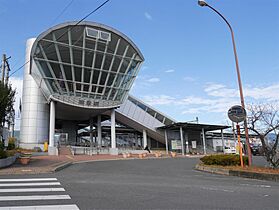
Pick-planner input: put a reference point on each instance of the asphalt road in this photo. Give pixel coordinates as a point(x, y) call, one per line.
point(158, 184)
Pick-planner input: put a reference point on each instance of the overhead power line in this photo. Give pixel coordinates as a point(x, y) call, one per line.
point(62, 12)
point(54, 20)
point(93, 11)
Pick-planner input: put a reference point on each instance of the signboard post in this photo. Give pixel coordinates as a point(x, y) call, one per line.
point(238, 114)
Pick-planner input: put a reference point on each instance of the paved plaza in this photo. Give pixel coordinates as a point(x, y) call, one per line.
point(151, 184)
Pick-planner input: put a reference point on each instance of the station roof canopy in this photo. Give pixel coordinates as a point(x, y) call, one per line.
point(194, 126)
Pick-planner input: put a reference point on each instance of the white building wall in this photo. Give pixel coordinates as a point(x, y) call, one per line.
point(34, 124)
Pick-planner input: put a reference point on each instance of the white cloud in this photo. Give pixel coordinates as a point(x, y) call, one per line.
point(159, 100)
point(220, 90)
point(153, 80)
point(148, 16)
point(169, 70)
point(218, 98)
point(270, 92)
point(189, 79)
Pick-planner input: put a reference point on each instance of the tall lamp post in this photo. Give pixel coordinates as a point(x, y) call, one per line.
point(203, 3)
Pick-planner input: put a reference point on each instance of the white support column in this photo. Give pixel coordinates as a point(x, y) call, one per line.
point(52, 150)
point(203, 140)
point(182, 140)
point(222, 137)
point(166, 140)
point(187, 143)
point(113, 149)
point(91, 131)
point(144, 135)
point(99, 130)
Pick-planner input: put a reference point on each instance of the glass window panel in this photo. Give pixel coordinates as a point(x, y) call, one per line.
point(61, 35)
point(116, 64)
point(105, 35)
point(107, 62)
point(101, 46)
point(88, 58)
point(91, 32)
point(95, 76)
point(68, 72)
point(103, 78)
point(111, 77)
point(87, 74)
point(65, 54)
point(77, 54)
point(98, 61)
point(85, 87)
point(100, 90)
point(77, 74)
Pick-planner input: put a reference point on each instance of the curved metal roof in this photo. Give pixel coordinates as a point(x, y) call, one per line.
point(86, 23)
point(89, 65)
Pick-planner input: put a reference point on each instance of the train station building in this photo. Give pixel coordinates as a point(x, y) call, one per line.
point(76, 93)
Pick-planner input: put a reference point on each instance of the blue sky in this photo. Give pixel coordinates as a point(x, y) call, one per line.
point(189, 67)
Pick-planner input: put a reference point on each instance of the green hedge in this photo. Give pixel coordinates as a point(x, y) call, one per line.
point(3, 154)
point(224, 160)
point(11, 143)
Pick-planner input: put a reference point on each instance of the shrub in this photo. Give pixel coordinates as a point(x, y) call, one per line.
point(2, 146)
point(11, 143)
point(3, 154)
point(224, 160)
point(11, 152)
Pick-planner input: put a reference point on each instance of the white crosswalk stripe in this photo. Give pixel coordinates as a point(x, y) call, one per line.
point(28, 180)
point(30, 184)
point(33, 190)
point(20, 191)
point(48, 207)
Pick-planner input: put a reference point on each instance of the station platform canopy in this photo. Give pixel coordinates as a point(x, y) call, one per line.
point(193, 126)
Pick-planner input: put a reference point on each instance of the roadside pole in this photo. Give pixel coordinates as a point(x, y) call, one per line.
point(239, 145)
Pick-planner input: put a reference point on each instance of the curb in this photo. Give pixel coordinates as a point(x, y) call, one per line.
point(61, 166)
point(244, 174)
point(255, 175)
point(212, 170)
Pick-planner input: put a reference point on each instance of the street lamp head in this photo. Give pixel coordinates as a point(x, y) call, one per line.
point(202, 3)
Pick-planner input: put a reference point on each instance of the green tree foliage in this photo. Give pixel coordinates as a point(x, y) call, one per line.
point(7, 98)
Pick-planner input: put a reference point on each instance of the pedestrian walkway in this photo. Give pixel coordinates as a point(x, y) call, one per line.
point(21, 194)
point(48, 164)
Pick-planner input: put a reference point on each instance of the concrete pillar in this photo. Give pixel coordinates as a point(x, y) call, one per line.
point(222, 137)
point(112, 119)
point(166, 140)
point(182, 141)
point(99, 130)
point(144, 135)
point(91, 131)
point(113, 149)
point(187, 143)
point(203, 141)
point(52, 150)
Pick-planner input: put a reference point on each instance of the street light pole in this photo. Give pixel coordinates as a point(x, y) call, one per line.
point(203, 3)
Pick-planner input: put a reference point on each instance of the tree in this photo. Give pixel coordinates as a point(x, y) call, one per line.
point(7, 98)
point(263, 120)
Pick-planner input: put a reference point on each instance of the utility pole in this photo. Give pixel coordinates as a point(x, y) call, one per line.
point(8, 71)
point(3, 67)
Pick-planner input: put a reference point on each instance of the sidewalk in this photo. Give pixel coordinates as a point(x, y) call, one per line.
point(50, 164)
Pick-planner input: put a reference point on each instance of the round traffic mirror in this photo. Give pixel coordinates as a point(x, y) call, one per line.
point(237, 113)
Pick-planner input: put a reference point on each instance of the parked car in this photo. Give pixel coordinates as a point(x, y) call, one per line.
point(229, 150)
point(256, 149)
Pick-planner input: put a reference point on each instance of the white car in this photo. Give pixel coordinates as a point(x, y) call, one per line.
point(229, 150)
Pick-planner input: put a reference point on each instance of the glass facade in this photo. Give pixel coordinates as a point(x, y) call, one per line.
point(85, 65)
